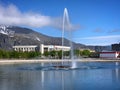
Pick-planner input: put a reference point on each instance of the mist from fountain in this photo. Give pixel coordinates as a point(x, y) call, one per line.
point(66, 27)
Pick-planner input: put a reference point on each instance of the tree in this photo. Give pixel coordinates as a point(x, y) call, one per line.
point(52, 53)
point(14, 54)
point(59, 54)
point(46, 54)
point(28, 55)
point(94, 55)
point(4, 54)
point(66, 53)
point(86, 53)
point(77, 52)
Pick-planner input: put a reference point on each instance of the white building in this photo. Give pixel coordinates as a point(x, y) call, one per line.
point(42, 48)
point(25, 48)
point(110, 54)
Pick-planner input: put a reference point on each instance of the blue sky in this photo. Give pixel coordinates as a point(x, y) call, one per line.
point(98, 20)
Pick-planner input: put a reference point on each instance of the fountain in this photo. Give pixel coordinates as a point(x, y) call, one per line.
point(66, 26)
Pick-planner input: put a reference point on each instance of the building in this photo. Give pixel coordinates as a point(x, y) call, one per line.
point(48, 48)
point(116, 47)
point(26, 48)
point(110, 54)
point(42, 48)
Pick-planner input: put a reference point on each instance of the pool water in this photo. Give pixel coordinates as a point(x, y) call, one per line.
point(43, 76)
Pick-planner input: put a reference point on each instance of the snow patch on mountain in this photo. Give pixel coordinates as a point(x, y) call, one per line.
point(37, 38)
point(4, 30)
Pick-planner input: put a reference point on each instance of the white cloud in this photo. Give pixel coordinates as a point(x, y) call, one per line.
point(11, 15)
point(99, 40)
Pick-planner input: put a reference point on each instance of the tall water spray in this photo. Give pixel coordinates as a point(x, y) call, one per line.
point(66, 27)
point(65, 22)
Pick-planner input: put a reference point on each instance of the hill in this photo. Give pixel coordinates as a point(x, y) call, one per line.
point(14, 35)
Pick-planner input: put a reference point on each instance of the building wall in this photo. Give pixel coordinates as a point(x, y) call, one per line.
point(53, 47)
point(25, 48)
point(109, 54)
point(42, 48)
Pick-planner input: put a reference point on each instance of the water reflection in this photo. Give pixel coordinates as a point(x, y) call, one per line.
point(116, 74)
point(108, 78)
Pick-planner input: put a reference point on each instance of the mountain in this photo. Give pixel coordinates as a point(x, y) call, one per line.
point(14, 35)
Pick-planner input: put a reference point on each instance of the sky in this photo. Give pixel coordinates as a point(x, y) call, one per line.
point(95, 22)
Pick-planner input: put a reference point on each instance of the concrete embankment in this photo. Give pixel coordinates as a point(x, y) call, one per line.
point(2, 62)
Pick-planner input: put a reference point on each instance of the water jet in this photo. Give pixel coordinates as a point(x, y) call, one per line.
point(66, 26)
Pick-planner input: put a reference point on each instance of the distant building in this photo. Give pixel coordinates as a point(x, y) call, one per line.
point(116, 47)
point(110, 54)
point(26, 48)
point(42, 48)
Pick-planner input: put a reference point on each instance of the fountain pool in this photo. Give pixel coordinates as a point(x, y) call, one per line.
point(42, 76)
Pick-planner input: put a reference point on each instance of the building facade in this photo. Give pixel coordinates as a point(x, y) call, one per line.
point(26, 48)
point(110, 54)
point(42, 48)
